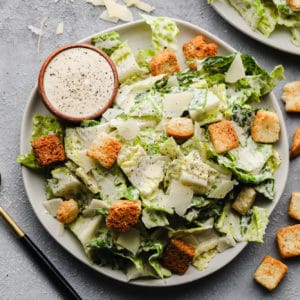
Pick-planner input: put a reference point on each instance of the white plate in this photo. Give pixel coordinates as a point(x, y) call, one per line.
point(139, 36)
point(279, 39)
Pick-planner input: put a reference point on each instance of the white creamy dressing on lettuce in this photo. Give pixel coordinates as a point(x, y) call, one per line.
point(78, 82)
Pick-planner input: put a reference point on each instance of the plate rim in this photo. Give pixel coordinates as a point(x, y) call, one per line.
point(237, 20)
point(168, 282)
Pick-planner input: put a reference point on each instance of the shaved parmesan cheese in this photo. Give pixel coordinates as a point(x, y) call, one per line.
point(96, 2)
point(175, 104)
point(180, 197)
point(140, 5)
point(35, 30)
point(236, 70)
point(128, 129)
point(105, 16)
point(116, 10)
point(39, 32)
point(60, 28)
point(130, 240)
point(52, 205)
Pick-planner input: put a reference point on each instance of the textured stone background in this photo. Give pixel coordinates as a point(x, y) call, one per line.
point(20, 277)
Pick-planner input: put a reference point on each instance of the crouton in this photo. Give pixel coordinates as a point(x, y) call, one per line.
point(265, 127)
point(223, 136)
point(288, 239)
point(48, 149)
point(294, 207)
point(180, 128)
point(67, 211)
point(294, 4)
point(244, 200)
point(123, 214)
point(104, 149)
point(291, 96)
point(270, 272)
point(198, 48)
point(164, 62)
point(178, 256)
point(295, 147)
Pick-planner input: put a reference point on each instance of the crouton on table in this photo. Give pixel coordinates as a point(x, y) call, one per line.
point(288, 239)
point(223, 136)
point(270, 272)
point(48, 149)
point(123, 214)
point(291, 96)
point(244, 200)
point(104, 149)
point(180, 128)
point(198, 48)
point(294, 207)
point(295, 147)
point(164, 62)
point(178, 256)
point(265, 127)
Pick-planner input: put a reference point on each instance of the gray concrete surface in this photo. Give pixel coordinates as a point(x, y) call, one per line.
point(20, 277)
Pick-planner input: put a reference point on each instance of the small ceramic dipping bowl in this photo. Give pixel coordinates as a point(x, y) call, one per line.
point(78, 82)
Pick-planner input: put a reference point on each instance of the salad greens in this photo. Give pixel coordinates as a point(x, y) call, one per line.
point(266, 16)
point(185, 187)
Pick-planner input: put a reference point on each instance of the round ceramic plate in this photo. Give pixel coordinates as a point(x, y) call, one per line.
point(279, 39)
point(139, 36)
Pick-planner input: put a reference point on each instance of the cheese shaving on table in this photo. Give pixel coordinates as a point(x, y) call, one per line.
point(60, 28)
point(105, 16)
point(39, 32)
point(116, 10)
point(140, 5)
point(96, 2)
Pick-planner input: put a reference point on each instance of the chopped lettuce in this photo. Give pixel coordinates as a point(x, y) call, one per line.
point(42, 125)
point(164, 32)
point(107, 42)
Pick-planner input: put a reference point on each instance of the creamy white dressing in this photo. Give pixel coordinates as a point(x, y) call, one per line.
point(78, 82)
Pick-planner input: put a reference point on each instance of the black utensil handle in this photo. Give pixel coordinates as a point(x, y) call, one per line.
point(48, 267)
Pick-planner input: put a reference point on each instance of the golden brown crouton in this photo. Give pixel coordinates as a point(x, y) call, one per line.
point(288, 239)
point(291, 96)
point(294, 4)
point(105, 149)
point(67, 212)
point(294, 207)
point(244, 200)
point(48, 149)
point(164, 62)
point(223, 136)
point(270, 272)
point(265, 127)
point(198, 48)
point(123, 214)
point(178, 256)
point(180, 128)
point(295, 147)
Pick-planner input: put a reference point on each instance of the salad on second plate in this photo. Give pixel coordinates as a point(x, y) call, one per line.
point(267, 16)
point(177, 169)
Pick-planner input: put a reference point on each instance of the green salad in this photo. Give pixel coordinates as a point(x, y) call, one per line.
point(185, 188)
point(267, 16)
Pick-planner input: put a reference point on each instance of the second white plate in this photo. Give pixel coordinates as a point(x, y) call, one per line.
point(280, 39)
